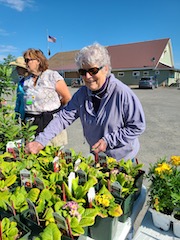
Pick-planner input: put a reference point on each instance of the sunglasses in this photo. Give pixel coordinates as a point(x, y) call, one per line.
point(91, 71)
point(28, 59)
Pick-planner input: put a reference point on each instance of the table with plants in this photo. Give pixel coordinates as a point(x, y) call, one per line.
point(162, 220)
point(59, 194)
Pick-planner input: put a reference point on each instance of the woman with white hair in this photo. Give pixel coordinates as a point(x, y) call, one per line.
point(111, 114)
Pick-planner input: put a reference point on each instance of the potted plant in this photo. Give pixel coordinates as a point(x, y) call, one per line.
point(12, 229)
point(73, 219)
point(176, 222)
point(164, 177)
point(108, 212)
point(123, 182)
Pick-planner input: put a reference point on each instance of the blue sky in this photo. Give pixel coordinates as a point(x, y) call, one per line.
point(75, 24)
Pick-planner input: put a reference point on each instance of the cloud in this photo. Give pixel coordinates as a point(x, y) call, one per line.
point(18, 5)
point(3, 32)
point(5, 50)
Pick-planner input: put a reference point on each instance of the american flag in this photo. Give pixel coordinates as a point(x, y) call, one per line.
point(51, 39)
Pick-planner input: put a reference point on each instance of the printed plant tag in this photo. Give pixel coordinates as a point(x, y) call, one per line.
point(11, 148)
point(25, 176)
point(102, 159)
point(33, 213)
point(76, 164)
point(82, 176)
point(68, 156)
point(116, 190)
point(91, 194)
point(56, 164)
point(60, 153)
point(70, 179)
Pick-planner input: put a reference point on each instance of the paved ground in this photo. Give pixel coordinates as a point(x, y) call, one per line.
point(162, 135)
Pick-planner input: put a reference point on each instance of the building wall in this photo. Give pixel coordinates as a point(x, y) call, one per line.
point(133, 77)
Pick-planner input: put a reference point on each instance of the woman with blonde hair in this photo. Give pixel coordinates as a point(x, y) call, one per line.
point(45, 93)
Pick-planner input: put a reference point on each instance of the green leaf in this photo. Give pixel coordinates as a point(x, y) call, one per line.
point(33, 194)
point(51, 232)
point(12, 232)
point(85, 222)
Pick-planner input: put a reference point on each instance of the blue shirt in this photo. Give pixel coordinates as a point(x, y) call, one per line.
point(19, 107)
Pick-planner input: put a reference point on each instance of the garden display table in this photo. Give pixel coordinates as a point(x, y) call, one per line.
point(124, 228)
point(147, 230)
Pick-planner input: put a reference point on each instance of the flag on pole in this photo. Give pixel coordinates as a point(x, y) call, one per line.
point(51, 39)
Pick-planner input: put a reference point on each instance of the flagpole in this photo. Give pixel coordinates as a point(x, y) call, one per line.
point(48, 50)
point(61, 49)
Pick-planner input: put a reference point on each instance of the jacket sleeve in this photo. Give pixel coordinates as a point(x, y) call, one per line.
point(131, 122)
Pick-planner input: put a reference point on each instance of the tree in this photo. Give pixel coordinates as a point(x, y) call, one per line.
point(6, 85)
point(8, 59)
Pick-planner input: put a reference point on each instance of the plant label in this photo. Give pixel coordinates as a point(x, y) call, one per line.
point(70, 179)
point(102, 159)
point(56, 164)
point(76, 164)
point(68, 156)
point(116, 190)
point(25, 176)
point(13, 147)
point(91, 194)
point(82, 176)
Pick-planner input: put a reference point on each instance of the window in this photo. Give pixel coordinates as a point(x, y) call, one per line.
point(146, 73)
point(136, 73)
point(157, 72)
point(120, 74)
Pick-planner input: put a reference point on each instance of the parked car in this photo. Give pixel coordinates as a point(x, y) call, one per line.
point(148, 82)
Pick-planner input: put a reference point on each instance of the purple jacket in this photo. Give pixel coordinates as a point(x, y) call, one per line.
point(119, 120)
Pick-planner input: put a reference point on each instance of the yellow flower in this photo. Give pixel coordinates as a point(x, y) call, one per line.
point(105, 202)
point(111, 160)
point(156, 204)
point(163, 167)
point(175, 160)
point(102, 200)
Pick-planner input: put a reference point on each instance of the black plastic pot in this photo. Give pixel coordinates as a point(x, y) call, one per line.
point(104, 228)
point(138, 183)
point(127, 207)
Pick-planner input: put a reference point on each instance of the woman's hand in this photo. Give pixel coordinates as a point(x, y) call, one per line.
point(33, 147)
point(100, 146)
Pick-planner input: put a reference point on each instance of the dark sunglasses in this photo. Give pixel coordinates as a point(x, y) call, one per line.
point(28, 59)
point(91, 71)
